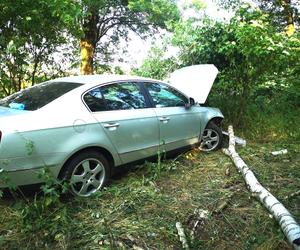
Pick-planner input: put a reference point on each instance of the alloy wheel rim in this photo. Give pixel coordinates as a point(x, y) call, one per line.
point(210, 140)
point(87, 177)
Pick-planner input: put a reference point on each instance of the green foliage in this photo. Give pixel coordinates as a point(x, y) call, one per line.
point(2, 180)
point(155, 66)
point(47, 215)
point(155, 169)
point(279, 12)
point(29, 145)
point(248, 47)
point(35, 34)
point(105, 23)
point(5, 180)
point(157, 12)
point(251, 56)
point(229, 4)
point(31, 31)
point(105, 68)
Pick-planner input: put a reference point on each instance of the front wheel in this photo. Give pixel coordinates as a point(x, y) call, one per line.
point(211, 138)
point(87, 172)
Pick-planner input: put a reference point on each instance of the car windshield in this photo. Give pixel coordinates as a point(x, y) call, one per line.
point(37, 96)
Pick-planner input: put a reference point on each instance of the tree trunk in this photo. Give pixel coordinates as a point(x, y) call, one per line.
point(87, 51)
point(288, 12)
point(88, 42)
point(33, 73)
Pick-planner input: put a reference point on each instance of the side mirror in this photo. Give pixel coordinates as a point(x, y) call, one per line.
point(190, 103)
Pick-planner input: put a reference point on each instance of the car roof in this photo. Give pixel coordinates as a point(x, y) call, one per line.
point(99, 79)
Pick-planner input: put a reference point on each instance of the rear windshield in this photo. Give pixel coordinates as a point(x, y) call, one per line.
point(38, 96)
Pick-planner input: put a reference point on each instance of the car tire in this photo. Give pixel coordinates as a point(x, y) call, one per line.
point(212, 138)
point(87, 173)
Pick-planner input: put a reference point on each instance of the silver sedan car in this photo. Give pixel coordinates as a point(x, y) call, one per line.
point(84, 126)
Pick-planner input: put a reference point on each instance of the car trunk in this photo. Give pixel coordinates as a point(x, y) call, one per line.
point(4, 112)
point(6, 121)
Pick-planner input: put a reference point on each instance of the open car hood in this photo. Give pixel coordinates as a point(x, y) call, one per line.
point(194, 81)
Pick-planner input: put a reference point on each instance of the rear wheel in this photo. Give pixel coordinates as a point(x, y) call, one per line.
point(211, 138)
point(87, 172)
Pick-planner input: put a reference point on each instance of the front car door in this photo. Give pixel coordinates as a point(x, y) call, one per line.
point(178, 125)
point(124, 114)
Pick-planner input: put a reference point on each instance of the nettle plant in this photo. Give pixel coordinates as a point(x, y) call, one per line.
point(47, 213)
point(4, 178)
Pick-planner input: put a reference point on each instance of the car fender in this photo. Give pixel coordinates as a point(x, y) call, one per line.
point(210, 114)
point(61, 143)
point(92, 138)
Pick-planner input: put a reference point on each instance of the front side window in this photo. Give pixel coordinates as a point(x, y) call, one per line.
point(117, 96)
point(38, 96)
point(165, 96)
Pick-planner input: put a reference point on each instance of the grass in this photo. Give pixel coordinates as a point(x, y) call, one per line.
point(139, 208)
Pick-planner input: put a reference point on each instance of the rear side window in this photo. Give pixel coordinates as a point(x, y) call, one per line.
point(117, 96)
point(38, 96)
point(123, 96)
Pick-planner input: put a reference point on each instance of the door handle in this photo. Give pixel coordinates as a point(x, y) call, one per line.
point(111, 125)
point(164, 119)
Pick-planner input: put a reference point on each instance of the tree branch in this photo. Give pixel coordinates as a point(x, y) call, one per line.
point(289, 226)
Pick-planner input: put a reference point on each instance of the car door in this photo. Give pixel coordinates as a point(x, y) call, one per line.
point(124, 114)
point(178, 126)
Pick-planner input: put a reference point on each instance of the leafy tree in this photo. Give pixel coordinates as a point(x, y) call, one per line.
point(284, 14)
point(248, 51)
point(31, 31)
point(229, 4)
point(155, 65)
point(104, 22)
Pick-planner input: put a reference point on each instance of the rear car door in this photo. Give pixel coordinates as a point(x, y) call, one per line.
point(124, 114)
point(178, 125)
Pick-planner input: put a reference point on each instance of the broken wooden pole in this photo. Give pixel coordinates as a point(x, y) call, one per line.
point(289, 226)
